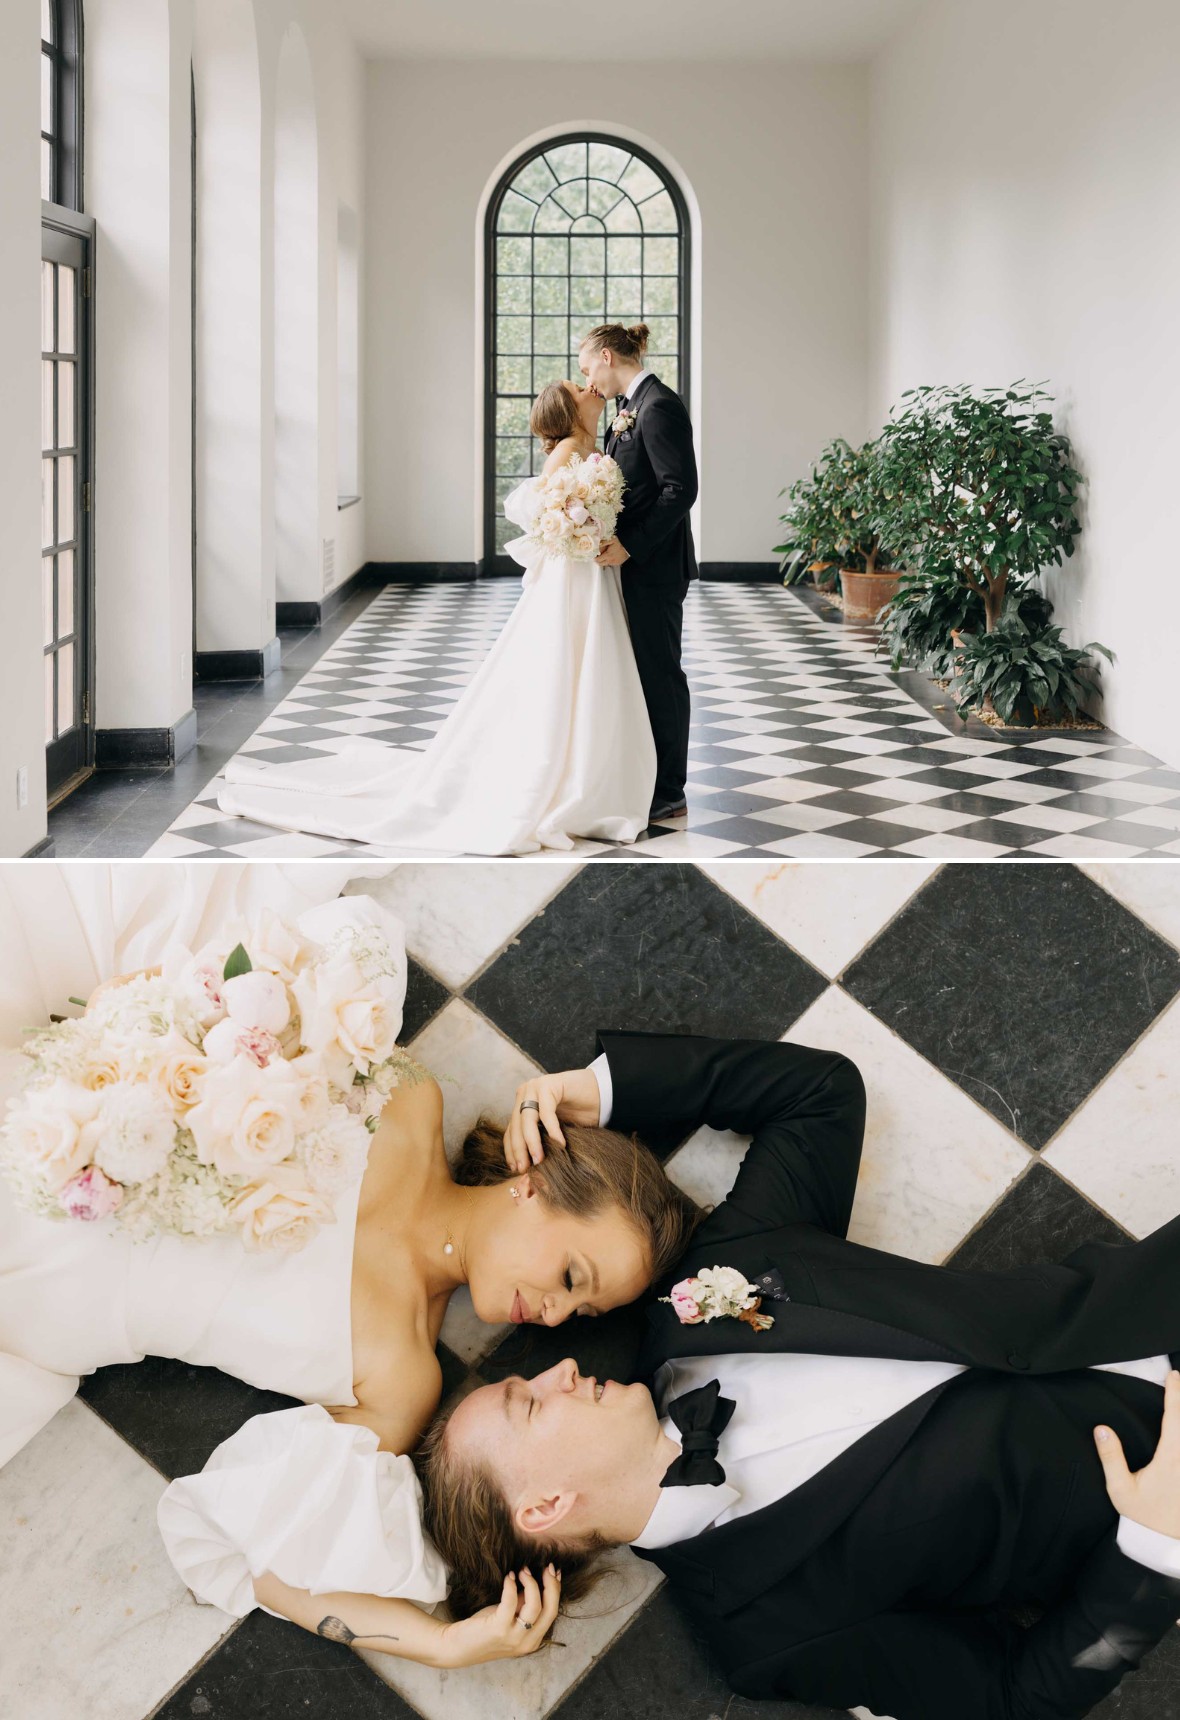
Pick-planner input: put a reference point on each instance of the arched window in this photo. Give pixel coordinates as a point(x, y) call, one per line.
point(61, 103)
point(581, 230)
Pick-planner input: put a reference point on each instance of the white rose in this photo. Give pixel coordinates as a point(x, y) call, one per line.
point(577, 513)
point(258, 999)
point(335, 1156)
point(552, 523)
point(133, 1133)
point(348, 1020)
point(583, 546)
point(180, 1071)
point(246, 1119)
point(275, 945)
point(44, 1129)
point(727, 1283)
point(197, 980)
point(280, 1219)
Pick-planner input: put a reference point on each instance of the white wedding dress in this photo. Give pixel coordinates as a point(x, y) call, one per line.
point(549, 742)
point(294, 1492)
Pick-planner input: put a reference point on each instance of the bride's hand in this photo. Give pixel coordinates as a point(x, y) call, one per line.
point(517, 1626)
point(522, 1138)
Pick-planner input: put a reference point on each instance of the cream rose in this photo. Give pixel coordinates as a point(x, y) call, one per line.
point(246, 1118)
point(584, 546)
point(280, 1219)
point(45, 1129)
point(346, 1018)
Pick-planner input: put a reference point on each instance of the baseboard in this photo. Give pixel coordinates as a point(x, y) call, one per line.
point(317, 611)
point(420, 572)
point(745, 572)
point(43, 850)
point(237, 665)
point(117, 749)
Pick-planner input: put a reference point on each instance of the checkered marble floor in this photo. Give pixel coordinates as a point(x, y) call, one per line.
point(803, 743)
point(1019, 1033)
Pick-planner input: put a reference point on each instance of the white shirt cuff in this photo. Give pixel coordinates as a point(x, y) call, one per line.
point(1149, 1547)
point(600, 1069)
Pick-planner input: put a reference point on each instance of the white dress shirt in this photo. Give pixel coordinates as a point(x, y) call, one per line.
point(796, 1413)
point(642, 377)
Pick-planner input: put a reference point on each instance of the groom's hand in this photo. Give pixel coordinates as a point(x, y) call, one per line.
point(612, 554)
point(573, 1095)
point(1150, 1495)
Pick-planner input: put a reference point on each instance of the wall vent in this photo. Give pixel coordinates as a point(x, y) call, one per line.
point(329, 564)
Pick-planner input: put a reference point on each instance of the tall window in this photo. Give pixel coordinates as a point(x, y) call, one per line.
point(61, 103)
point(583, 230)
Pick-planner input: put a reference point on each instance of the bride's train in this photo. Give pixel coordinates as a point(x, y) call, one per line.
point(550, 741)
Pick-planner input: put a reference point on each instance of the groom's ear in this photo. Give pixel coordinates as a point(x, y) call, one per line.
point(541, 1515)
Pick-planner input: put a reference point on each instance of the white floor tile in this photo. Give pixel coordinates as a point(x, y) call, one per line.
point(1120, 1147)
point(528, 1689)
point(460, 915)
point(96, 1621)
point(934, 1160)
point(476, 1067)
point(828, 913)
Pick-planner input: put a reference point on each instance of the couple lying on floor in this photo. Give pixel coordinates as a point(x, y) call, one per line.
point(851, 1467)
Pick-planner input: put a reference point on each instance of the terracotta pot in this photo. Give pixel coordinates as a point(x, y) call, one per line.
point(867, 593)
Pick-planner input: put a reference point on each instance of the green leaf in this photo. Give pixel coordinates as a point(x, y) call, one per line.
point(237, 962)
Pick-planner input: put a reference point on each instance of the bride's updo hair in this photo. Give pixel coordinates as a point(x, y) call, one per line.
point(554, 415)
point(599, 1168)
point(629, 343)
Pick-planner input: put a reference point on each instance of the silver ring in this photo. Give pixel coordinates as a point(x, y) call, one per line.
point(529, 1105)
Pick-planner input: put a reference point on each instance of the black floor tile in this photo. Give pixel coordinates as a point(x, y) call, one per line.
point(661, 1672)
point(269, 1669)
point(425, 996)
point(1025, 985)
point(660, 949)
point(1042, 1218)
point(175, 1414)
point(1152, 1693)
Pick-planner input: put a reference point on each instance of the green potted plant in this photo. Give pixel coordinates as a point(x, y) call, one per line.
point(1024, 674)
point(981, 483)
point(836, 519)
point(926, 624)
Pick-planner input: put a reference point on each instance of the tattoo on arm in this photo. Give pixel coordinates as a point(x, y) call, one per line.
point(336, 1630)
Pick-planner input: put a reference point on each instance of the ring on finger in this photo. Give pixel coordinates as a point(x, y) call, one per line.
point(529, 1105)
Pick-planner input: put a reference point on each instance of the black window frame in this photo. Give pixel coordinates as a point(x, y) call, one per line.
point(490, 562)
point(66, 97)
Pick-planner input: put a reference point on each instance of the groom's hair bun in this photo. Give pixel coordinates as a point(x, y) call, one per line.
point(629, 343)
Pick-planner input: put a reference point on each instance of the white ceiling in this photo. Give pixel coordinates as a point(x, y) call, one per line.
point(653, 29)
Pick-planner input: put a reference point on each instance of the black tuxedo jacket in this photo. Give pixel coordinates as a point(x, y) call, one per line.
point(876, 1581)
point(657, 460)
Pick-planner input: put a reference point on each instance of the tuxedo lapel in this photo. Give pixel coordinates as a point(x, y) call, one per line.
point(633, 405)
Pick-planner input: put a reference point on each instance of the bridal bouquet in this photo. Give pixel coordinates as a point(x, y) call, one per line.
point(232, 1091)
point(577, 507)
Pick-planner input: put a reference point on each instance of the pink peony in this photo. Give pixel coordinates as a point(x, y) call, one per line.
point(91, 1195)
point(229, 1039)
point(684, 1300)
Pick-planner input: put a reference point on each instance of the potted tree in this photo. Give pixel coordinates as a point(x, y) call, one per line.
point(981, 484)
point(836, 518)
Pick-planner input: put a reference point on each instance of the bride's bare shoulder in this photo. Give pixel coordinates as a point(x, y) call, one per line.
point(561, 455)
point(416, 1105)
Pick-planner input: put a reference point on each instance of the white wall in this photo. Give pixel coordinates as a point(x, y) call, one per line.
point(1026, 193)
point(776, 158)
point(22, 723)
point(137, 180)
point(296, 326)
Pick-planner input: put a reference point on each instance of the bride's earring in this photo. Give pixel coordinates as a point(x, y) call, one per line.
point(514, 1191)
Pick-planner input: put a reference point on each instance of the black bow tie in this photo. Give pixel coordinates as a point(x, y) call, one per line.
point(701, 1417)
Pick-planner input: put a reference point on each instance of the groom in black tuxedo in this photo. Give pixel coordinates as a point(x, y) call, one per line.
point(850, 1501)
point(651, 439)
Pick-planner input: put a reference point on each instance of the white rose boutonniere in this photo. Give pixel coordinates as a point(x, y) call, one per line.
point(718, 1293)
point(623, 421)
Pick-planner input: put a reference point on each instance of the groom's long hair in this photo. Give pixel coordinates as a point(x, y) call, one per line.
point(468, 1519)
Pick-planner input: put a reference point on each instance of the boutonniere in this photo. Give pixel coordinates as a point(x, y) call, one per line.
point(722, 1293)
point(623, 421)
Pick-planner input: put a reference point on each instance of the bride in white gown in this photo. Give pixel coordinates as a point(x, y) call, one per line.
point(549, 742)
point(310, 1501)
